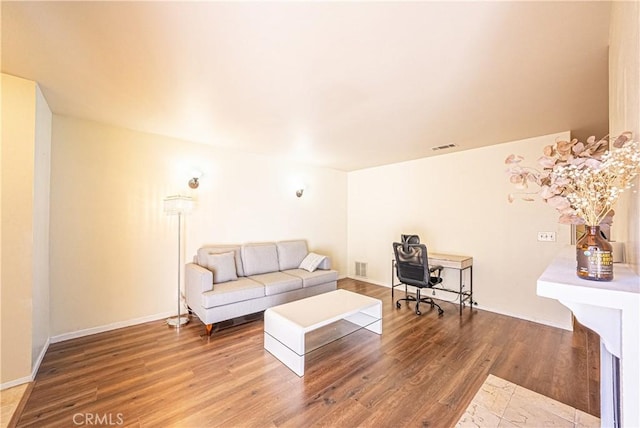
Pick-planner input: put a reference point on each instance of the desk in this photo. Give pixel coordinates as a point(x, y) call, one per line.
point(447, 261)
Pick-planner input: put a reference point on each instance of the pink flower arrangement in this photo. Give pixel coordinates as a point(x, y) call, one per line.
point(582, 181)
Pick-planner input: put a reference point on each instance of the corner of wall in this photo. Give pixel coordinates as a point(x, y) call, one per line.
point(624, 107)
point(18, 134)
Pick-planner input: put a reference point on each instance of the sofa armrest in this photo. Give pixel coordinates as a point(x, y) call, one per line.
point(325, 264)
point(197, 281)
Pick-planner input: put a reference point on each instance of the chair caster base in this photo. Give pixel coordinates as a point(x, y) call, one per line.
point(419, 300)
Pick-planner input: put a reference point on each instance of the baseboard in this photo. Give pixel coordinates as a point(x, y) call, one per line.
point(16, 382)
point(538, 321)
point(368, 281)
point(440, 296)
point(77, 334)
point(34, 370)
point(114, 326)
point(36, 366)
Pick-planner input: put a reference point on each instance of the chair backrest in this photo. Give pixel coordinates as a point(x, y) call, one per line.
point(412, 263)
point(409, 239)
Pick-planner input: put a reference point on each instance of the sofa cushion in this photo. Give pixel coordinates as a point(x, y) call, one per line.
point(259, 258)
point(204, 252)
point(223, 266)
point(309, 279)
point(311, 262)
point(291, 253)
point(278, 282)
point(231, 292)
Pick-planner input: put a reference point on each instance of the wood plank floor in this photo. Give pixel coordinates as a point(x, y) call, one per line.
point(422, 371)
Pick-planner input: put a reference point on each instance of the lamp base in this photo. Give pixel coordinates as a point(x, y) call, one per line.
point(177, 322)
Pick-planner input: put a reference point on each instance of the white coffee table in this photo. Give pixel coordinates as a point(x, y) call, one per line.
point(287, 326)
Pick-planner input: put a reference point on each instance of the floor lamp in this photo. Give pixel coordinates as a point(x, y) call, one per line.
point(178, 205)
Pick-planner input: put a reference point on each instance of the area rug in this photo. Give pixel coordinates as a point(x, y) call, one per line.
point(500, 403)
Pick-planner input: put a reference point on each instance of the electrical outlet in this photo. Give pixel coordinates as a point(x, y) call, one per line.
point(547, 236)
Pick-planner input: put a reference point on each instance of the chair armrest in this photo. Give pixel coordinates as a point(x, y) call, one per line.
point(197, 281)
point(434, 268)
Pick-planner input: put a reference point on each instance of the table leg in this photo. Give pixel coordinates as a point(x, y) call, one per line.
point(289, 358)
point(285, 341)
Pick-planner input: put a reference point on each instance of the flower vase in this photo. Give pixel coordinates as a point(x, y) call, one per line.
point(593, 254)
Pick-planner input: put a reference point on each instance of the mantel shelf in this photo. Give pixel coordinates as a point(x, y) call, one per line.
point(563, 272)
point(611, 309)
point(595, 304)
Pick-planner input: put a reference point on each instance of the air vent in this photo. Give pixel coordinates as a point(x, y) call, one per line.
point(446, 146)
point(361, 269)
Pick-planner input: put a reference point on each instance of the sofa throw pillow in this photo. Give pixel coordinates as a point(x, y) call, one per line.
point(223, 267)
point(312, 261)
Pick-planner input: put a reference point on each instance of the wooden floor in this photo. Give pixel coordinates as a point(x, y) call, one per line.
point(422, 371)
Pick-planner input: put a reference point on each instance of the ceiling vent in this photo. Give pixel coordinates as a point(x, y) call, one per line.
point(446, 146)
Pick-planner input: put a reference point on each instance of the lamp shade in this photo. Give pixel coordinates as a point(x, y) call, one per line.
point(178, 204)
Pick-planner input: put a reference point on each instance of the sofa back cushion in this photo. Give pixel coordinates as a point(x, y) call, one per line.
point(259, 258)
point(291, 253)
point(203, 256)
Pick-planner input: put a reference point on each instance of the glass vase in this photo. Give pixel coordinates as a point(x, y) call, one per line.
point(593, 255)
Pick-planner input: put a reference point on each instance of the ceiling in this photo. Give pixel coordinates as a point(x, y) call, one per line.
point(344, 85)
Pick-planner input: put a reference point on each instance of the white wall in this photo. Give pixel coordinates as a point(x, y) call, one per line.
point(24, 319)
point(624, 115)
point(113, 250)
point(18, 114)
point(41, 199)
point(624, 110)
point(457, 203)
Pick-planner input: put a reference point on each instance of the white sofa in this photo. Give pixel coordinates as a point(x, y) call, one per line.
point(230, 281)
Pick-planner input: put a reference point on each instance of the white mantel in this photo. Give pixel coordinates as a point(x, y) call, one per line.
point(611, 309)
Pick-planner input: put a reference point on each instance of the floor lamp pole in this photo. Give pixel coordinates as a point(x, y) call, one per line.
point(179, 254)
point(179, 321)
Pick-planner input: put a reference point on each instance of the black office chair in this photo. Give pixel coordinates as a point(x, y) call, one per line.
point(412, 268)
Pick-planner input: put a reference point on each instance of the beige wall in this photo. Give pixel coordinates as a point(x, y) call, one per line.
point(25, 239)
point(41, 191)
point(18, 134)
point(457, 203)
point(113, 250)
point(624, 110)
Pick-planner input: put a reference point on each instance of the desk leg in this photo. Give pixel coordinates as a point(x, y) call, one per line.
point(392, 283)
point(460, 294)
point(471, 302)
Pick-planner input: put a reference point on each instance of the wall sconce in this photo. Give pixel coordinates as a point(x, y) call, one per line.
point(301, 188)
point(195, 181)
